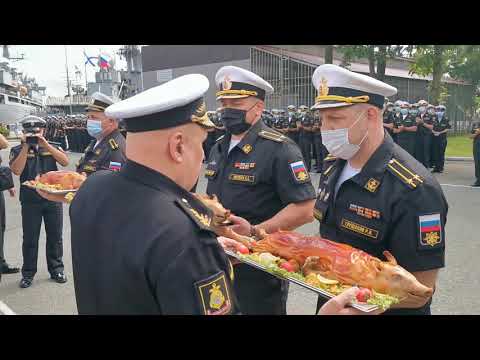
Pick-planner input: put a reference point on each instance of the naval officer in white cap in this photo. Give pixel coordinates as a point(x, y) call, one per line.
point(107, 151)
point(141, 242)
point(373, 195)
point(258, 174)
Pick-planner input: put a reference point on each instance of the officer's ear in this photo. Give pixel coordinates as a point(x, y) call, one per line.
point(176, 146)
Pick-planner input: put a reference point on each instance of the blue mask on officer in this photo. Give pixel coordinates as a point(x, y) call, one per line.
point(404, 111)
point(94, 128)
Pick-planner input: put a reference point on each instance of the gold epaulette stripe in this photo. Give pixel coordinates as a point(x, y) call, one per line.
point(272, 136)
point(326, 172)
point(414, 180)
point(415, 176)
point(330, 157)
point(220, 138)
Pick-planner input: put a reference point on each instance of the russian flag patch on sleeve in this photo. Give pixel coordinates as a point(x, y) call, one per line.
point(300, 172)
point(115, 166)
point(430, 231)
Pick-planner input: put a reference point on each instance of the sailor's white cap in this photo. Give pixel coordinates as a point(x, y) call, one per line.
point(235, 83)
point(99, 102)
point(174, 103)
point(32, 121)
point(339, 87)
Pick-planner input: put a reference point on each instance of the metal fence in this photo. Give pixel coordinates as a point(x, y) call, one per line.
point(292, 81)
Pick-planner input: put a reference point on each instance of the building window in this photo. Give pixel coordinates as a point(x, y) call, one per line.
point(2, 99)
point(13, 99)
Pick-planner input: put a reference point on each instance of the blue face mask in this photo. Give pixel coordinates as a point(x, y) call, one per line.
point(440, 115)
point(422, 109)
point(94, 128)
point(404, 111)
point(396, 109)
point(414, 112)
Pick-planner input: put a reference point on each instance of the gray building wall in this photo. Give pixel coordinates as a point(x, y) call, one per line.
point(158, 57)
point(209, 70)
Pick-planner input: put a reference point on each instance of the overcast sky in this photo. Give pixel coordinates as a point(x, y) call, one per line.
point(46, 63)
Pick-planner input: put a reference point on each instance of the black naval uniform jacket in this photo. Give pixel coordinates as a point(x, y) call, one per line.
point(260, 176)
point(39, 161)
point(143, 245)
point(110, 150)
point(393, 204)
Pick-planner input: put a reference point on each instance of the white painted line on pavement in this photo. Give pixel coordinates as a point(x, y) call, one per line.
point(5, 310)
point(463, 186)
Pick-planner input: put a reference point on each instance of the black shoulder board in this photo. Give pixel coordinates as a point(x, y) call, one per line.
point(113, 144)
point(220, 138)
point(406, 175)
point(330, 158)
point(201, 218)
point(270, 135)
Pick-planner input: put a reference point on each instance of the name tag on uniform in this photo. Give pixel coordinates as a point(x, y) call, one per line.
point(359, 229)
point(45, 154)
point(242, 178)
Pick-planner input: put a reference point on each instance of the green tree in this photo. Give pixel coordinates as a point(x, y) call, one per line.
point(434, 60)
point(377, 56)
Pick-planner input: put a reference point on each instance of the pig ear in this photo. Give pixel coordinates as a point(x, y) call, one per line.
point(390, 258)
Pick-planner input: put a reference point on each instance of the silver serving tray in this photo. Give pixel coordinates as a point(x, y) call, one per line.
point(362, 307)
point(50, 191)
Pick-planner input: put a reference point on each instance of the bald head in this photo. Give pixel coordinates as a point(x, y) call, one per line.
point(175, 152)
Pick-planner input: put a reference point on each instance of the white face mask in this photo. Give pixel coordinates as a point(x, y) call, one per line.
point(337, 143)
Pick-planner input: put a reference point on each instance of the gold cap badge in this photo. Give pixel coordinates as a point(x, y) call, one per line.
point(227, 84)
point(323, 90)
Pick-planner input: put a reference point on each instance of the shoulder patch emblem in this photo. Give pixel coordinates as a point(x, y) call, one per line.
point(299, 171)
point(404, 174)
point(115, 166)
point(214, 295)
point(430, 231)
point(270, 135)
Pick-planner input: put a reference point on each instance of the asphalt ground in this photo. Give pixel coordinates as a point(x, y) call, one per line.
point(458, 290)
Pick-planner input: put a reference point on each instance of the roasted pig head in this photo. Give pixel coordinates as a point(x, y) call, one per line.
point(221, 220)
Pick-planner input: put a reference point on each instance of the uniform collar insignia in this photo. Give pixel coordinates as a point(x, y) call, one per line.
point(372, 185)
point(247, 148)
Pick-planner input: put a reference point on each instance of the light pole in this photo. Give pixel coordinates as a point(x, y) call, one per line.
point(68, 79)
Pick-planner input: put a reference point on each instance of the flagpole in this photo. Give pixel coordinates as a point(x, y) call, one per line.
point(86, 82)
point(68, 79)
